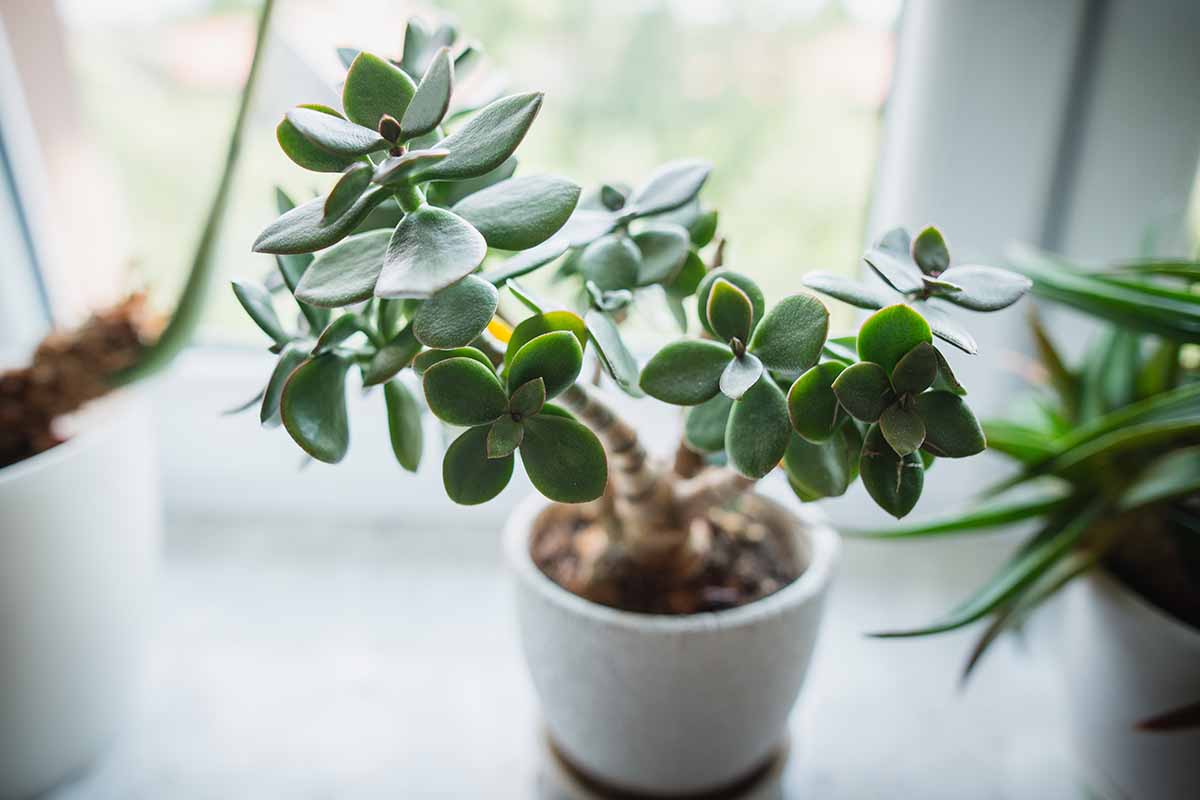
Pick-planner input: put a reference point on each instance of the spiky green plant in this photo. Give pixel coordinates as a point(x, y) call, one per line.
point(1108, 457)
point(426, 224)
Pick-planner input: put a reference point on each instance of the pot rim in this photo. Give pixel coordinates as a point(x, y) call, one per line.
point(824, 550)
point(1106, 581)
point(102, 416)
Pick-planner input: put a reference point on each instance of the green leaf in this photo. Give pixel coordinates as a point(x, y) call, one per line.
point(348, 188)
point(401, 169)
point(555, 357)
point(945, 378)
point(289, 359)
point(812, 405)
point(528, 398)
point(588, 224)
point(951, 430)
point(664, 248)
point(1056, 541)
point(759, 431)
point(404, 425)
point(856, 294)
point(338, 331)
point(526, 261)
point(704, 425)
point(455, 316)
point(461, 391)
point(504, 437)
point(374, 87)
point(977, 520)
point(487, 140)
point(917, 370)
point(729, 312)
point(986, 288)
point(748, 287)
point(823, 469)
point(685, 373)
point(891, 259)
point(305, 229)
point(520, 213)
point(930, 252)
point(307, 153)
point(614, 356)
point(345, 273)
point(703, 229)
point(611, 262)
point(447, 193)
point(432, 98)
point(790, 337)
point(864, 391)
point(257, 302)
point(688, 279)
point(893, 481)
point(1174, 475)
point(740, 375)
point(430, 249)
point(669, 187)
point(394, 356)
point(430, 357)
point(944, 326)
point(327, 129)
point(313, 407)
point(889, 334)
point(903, 428)
point(470, 477)
point(564, 459)
point(532, 327)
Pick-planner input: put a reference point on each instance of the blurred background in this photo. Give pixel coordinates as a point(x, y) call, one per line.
point(1072, 125)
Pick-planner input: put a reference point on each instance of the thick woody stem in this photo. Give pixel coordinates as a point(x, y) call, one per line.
point(688, 463)
point(714, 487)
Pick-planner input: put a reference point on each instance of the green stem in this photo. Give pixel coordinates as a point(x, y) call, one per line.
point(190, 306)
point(409, 197)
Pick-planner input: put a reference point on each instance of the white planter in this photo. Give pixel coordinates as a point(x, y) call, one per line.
point(1124, 660)
point(79, 529)
point(669, 704)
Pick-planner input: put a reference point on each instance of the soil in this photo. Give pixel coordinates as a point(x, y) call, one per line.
point(68, 369)
point(733, 559)
point(1159, 558)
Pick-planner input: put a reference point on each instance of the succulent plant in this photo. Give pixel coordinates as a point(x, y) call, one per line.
point(1107, 454)
point(398, 269)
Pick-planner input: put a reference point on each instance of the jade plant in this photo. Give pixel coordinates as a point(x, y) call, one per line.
point(1107, 453)
point(412, 295)
point(122, 344)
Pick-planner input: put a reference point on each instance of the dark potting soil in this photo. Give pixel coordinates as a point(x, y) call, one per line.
point(1159, 558)
point(738, 560)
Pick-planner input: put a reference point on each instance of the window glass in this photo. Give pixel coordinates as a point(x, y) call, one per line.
point(783, 96)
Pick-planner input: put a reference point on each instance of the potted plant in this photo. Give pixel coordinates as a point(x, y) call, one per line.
point(79, 519)
point(668, 611)
point(1108, 465)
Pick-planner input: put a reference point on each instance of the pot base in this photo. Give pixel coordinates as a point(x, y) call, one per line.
point(574, 783)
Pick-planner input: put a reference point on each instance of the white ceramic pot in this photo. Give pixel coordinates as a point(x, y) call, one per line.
point(79, 528)
point(1123, 660)
point(669, 705)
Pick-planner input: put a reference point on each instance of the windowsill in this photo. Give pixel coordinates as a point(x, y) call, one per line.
point(298, 660)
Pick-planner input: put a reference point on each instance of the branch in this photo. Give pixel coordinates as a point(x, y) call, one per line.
point(632, 477)
point(714, 487)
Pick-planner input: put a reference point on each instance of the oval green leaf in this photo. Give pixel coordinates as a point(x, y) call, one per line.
point(564, 459)
point(455, 316)
point(374, 87)
point(812, 405)
point(431, 99)
point(313, 407)
point(859, 295)
point(555, 357)
point(394, 356)
point(327, 129)
point(669, 187)
point(729, 312)
point(611, 262)
point(532, 327)
point(790, 337)
point(430, 249)
point(951, 429)
point(289, 359)
point(930, 252)
point(345, 273)
point(528, 398)
point(404, 425)
point(685, 373)
point(615, 357)
point(748, 287)
point(739, 375)
point(903, 428)
point(863, 390)
point(917, 370)
point(461, 391)
point(893, 481)
point(306, 153)
point(504, 437)
point(986, 288)
point(487, 140)
point(305, 228)
point(470, 477)
point(430, 357)
point(890, 333)
point(256, 301)
point(664, 249)
point(758, 432)
point(348, 188)
point(520, 213)
point(704, 425)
